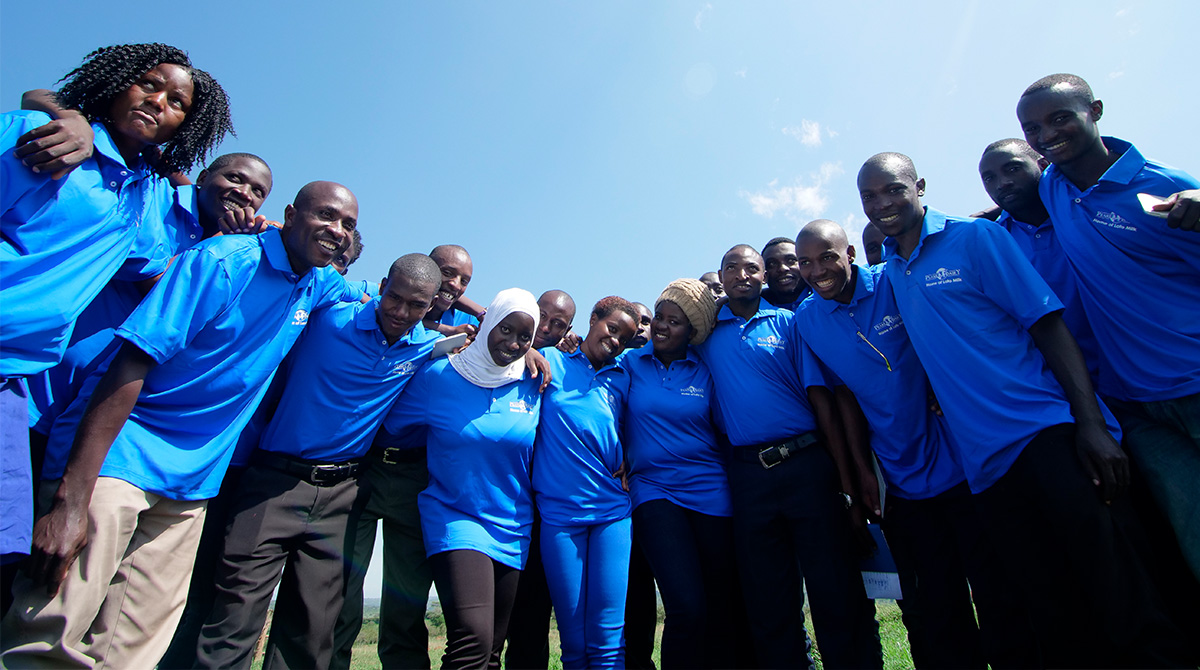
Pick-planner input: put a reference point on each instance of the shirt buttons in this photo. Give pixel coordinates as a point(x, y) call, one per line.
point(1039, 235)
point(112, 184)
point(1078, 200)
point(851, 313)
point(124, 173)
point(908, 272)
point(193, 236)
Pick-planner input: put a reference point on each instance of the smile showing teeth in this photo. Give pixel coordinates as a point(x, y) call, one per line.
point(825, 283)
point(1056, 147)
point(327, 245)
point(607, 346)
point(446, 295)
point(890, 218)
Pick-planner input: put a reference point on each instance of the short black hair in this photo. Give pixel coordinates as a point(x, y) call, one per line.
point(420, 268)
point(225, 159)
point(1074, 82)
point(445, 248)
point(882, 160)
point(774, 242)
point(356, 247)
point(108, 71)
point(1020, 146)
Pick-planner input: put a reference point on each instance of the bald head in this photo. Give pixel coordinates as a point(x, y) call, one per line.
point(557, 312)
point(891, 163)
point(826, 230)
point(826, 260)
point(319, 226)
point(323, 191)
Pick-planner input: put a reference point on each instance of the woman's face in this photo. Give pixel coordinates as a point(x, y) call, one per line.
point(670, 330)
point(153, 109)
point(607, 335)
point(510, 339)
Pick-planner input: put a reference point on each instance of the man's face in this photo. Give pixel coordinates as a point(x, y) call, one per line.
point(642, 335)
point(243, 182)
point(827, 268)
point(742, 274)
point(402, 304)
point(783, 269)
point(456, 274)
point(320, 229)
point(713, 281)
point(345, 259)
point(510, 339)
point(891, 199)
point(873, 244)
point(1059, 124)
point(555, 321)
point(1010, 178)
point(150, 111)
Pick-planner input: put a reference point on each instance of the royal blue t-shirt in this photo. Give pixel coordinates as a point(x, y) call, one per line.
point(1139, 280)
point(760, 376)
point(342, 377)
point(671, 445)
point(968, 297)
point(1040, 245)
point(218, 324)
point(480, 443)
point(578, 445)
point(865, 346)
point(62, 240)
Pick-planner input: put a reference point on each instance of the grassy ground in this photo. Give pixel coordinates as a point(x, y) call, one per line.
point(891, 632)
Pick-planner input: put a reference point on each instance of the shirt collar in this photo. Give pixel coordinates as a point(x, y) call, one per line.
point(1127, 166)
point(366, 319)
point(764, 309)
point(614, 365)
point(647, 351)
point(1008, 221)
point(933, 223)
point(864, 285)
point(277, 256)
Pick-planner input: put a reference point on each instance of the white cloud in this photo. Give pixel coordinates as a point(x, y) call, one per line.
point(1122, 12)
point(800, 201)
point(741, 73)
point(809, 133)
point(830, 133)
point(702, 16)
point(1117, 74)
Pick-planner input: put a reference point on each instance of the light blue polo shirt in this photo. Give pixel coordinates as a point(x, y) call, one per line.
point(173, 228)
point(218, 324)
point(866, 347)
point(1139, 280)
point(480, 444)
point(578, 444)
point(760, 376)
point(1040, 245)
point(968, 297)
point(670, 443)
point(61, 241)
point(342, 377)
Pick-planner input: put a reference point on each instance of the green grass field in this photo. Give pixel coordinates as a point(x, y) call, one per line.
point(891, 632)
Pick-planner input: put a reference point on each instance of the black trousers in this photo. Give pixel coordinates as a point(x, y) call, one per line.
point(1089, 597)
point(477, 595)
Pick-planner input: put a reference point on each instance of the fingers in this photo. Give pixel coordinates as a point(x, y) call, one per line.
point(1185, 215)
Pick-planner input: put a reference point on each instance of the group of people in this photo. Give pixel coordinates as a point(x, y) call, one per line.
point(198, 408)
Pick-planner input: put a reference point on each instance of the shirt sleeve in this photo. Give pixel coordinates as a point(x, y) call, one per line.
point(1007, 277)
point(15, 179)
point(333, 288)
point(195, 289)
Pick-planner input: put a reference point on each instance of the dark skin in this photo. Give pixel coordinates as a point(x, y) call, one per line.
point(456, 269)
point(403, 302)
point(1010, 178)
point(783, 276)
point(742, 276)
point(511, 338)
point(888, 193)
point(670, 331)
point(1060, 123)
point(606, 337)
point(556, 312)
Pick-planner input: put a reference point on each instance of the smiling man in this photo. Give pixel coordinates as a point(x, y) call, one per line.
point(1026, 424)
point(785, 289)
point(557, 312)
point(154, 443)
point(295, 498)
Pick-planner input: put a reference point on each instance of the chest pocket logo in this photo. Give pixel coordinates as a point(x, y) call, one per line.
point(692, 391)
point(520, 406)
point(943, 277)
point(887, 324)
point(404, 369)
point(772, 342)
point(300, 317)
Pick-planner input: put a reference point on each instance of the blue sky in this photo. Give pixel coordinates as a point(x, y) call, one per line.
point(611, 147)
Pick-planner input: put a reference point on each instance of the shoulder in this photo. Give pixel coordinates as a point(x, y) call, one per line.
point(20, 122)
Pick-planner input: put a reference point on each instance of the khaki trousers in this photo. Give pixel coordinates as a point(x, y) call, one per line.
point(122, 597)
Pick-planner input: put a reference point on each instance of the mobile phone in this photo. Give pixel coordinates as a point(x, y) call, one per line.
point(448, 344)
point(1148, 201)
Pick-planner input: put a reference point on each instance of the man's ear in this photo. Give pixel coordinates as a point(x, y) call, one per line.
point(1042, 164)
point(1096, 110)
point(850, 253)
point(288, 213)
point(202, 177)
point(921, 186)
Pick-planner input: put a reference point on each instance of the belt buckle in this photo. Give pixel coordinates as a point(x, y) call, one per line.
point(387, 456)
point(779, 453)
point(324, 474)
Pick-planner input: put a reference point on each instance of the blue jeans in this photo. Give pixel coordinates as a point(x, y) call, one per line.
point(587, 570)
point(1163, 438)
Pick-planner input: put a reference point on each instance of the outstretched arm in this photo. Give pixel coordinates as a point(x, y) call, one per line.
point(61, 535)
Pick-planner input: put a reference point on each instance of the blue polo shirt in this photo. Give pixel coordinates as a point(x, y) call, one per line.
point(1039, 244)
point(453, 317)
point(342, 376)
point(760, 376)
point(61, 241)
point(174, 227)
point(670, 443)
point(578, 444)
point(480, 444)
point(968, 297)
point(865, 345)
point(1139, 280)
point(218, 324)
point(795, 304)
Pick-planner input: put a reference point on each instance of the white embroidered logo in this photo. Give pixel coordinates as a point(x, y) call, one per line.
point(404, 369)
point(692, 391)
point(300, 317)
point(772, 342)
point(888, 324)
point(943, 276)
point(520, 406)
point(1113, 220)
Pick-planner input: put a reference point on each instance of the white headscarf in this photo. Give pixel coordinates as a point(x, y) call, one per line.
point(475, 363)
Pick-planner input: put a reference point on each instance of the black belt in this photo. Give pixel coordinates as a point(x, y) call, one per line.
point(770, 454)
point(317, 474)
point(398, 455)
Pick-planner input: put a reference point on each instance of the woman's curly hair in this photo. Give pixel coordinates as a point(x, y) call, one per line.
point(109, 71)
